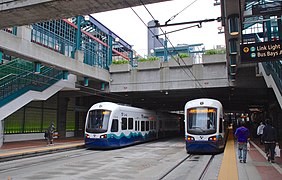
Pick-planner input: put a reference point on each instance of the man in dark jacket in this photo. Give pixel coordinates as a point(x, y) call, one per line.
point(270, 139)
point(50, 131)
point(242, 134)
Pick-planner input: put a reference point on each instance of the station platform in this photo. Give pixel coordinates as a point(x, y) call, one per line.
point(19, 149)
point(257, 167)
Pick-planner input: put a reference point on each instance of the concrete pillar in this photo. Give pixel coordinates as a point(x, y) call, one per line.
point(79, 55)
point(62, 116)
point(1, 132)
point(24, 32)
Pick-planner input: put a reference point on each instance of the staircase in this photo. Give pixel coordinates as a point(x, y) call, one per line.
point(272, 73)
point(19, 85)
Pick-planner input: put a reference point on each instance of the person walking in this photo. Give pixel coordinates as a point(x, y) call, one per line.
point(242, 134)
point(50, 134)
point(269, 137)
point(260, 131)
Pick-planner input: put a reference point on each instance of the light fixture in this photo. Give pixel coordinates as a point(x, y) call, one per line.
point(232, 70)
point(86, 81)
point(220, 30)
point(152, 52)
point(116, 39)
point(166, 93)
point(233, 60)
point(216, 3)
point(86, 18)
point(233, 24)
point(232, 78)
point(37, 66)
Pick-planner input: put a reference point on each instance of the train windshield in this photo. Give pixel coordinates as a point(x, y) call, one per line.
point(98, 121)
point(201, 120)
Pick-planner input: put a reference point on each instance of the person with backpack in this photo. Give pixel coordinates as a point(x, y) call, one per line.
point(50, 134)
point(269, 137)
point(260, 131)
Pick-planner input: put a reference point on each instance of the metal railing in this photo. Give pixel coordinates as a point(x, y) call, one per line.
point(14, 85)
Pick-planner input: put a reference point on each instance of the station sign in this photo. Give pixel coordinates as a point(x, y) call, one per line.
point(259, 52)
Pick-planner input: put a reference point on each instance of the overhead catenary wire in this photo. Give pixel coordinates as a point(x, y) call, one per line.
point(153, 34)
point(200, 86)
point(174, 16)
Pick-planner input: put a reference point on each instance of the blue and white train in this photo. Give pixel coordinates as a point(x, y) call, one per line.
point(109, 125)
point(205, 130)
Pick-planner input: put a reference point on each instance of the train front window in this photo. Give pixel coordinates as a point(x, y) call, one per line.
point(201, 120)
point(98, 121)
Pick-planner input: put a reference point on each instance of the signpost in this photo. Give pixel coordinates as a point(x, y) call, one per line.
point(264, 51)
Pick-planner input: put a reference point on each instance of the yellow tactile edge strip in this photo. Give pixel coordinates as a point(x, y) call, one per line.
point(38, 150)
point(228, 169)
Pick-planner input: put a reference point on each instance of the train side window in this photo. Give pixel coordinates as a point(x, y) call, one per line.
point(130, 123)
point(138, 125)
point(114, 127)
point(220, 125)
point(123, 123)
point(147, 126)
point(142, 125)
point(155, 125)
point(151, 125)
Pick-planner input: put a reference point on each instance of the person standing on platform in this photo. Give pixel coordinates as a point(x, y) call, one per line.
point(242, 134)
point(269, 137)
point(50, 132)
point(260, 131)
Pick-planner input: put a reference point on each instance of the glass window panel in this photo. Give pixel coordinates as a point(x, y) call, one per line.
point(147, 126)
point(114, 127)
point(124, 123)
point(130, 123)
point(142, 125)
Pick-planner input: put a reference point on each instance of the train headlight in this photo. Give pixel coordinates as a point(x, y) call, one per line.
point(87, 136)
point(213, 138)
point(103, 136)
point(190, 138)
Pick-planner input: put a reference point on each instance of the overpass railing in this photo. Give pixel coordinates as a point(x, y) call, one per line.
point(68, 35)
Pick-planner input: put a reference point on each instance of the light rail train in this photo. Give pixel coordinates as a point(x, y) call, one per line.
point(205, 130)
point(109, 125)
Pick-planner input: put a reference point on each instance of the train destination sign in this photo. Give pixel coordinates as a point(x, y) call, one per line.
point(258, 52)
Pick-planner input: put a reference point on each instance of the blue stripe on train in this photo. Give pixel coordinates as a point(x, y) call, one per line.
point(203, 147)
point(113, 141)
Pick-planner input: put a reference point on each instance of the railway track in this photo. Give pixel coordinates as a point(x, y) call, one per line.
point(201, 168)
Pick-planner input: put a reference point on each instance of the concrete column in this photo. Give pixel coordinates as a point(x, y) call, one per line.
point(79, 55)
point(1, 132)
point(24, 32)
point(62, 116)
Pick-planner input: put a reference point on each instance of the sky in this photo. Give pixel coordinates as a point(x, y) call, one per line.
point(126, 24)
